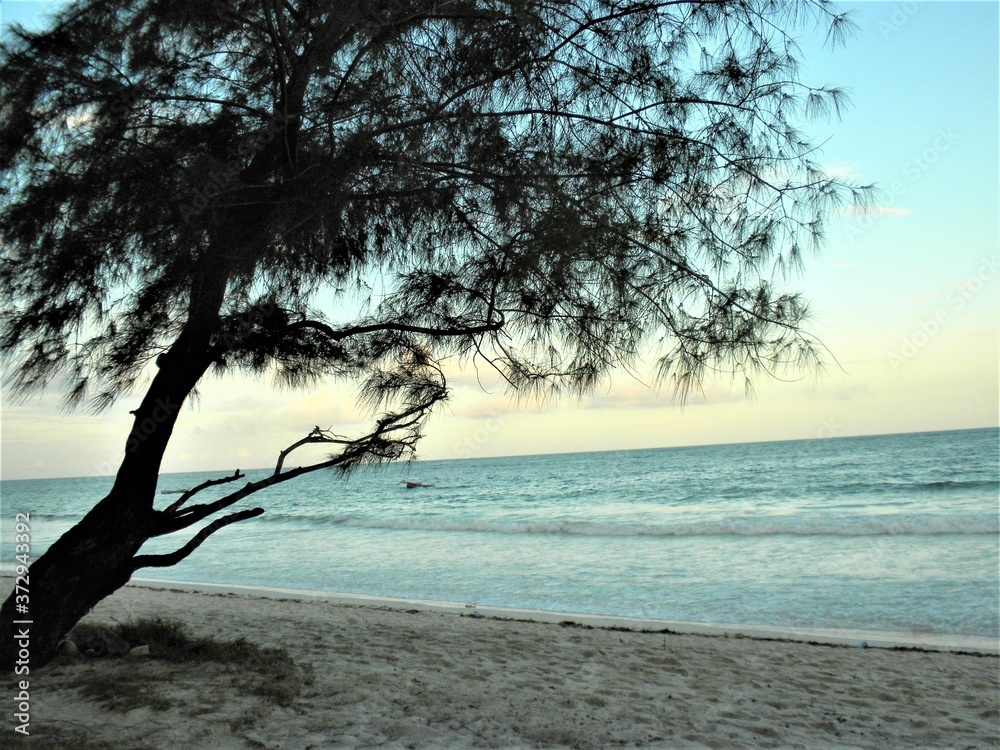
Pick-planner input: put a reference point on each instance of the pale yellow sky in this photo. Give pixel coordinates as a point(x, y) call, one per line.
point(907, 299)
point(950, 383)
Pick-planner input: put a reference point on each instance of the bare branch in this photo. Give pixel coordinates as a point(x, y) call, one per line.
point(165, 561)
point(343, 333)
point(204, 485)
point(316, 436)
point(394, 434)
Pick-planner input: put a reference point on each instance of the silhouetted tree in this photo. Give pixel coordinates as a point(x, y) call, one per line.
point(549, 187)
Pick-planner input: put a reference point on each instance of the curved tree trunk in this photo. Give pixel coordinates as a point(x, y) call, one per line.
point(95, 558)
point(89, 562)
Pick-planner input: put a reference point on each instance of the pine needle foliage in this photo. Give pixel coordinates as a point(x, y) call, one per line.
point(555, 188)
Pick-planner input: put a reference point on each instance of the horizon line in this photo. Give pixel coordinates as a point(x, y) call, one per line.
point(417, 459)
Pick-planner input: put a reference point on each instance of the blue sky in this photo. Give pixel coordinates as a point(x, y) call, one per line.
point(906, 299)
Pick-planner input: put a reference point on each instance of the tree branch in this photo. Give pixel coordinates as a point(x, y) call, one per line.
point(343, 333)
point(316, 436)
point(378, 445)
point(204, 485)
point(165, 561)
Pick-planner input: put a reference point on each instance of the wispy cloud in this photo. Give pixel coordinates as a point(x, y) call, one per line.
point(641, 397)
point(965, 287)
point(841, 171)
point(489, 407)
point(875, 211)
point(839, 393)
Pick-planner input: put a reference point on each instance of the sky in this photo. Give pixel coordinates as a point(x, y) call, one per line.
point(906, 298)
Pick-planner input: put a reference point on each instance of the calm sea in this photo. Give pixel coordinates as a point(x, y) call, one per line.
point(890, 533)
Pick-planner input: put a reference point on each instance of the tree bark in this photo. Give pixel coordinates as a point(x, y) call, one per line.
point(89, 562)
point(94, 558)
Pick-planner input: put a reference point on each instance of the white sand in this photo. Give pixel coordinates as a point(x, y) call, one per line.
point(394, 678)
point(876, 639)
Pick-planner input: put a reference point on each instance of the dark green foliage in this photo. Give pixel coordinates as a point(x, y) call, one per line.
point(570, 182)
point(122, 688)
point(162, 636)
point(169, 639)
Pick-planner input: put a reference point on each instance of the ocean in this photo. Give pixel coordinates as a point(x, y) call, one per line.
point(896, 533)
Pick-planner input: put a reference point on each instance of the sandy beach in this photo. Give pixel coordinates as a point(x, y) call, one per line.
point(373, 676)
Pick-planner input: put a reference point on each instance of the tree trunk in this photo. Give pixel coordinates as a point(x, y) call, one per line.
point(94, 558)
point(89, 562)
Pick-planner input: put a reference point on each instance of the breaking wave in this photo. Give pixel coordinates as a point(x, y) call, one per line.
point(848, 526)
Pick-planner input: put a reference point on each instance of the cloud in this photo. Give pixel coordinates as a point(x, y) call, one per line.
point(641, 397)
point(965, 287)
point(875, 211)
point(850, 392)
point(839, 393)
point(841, 171)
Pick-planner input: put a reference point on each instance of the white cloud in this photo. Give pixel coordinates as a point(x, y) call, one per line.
point(875, 211)
point(841, 171)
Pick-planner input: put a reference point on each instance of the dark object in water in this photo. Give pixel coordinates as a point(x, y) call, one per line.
point(411, 485)
point(172, 492)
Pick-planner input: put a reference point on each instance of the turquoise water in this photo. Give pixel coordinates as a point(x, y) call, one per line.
point(894, 532)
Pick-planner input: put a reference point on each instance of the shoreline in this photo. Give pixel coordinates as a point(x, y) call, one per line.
point(393, 674)
point(822, 636)
point(841, 637)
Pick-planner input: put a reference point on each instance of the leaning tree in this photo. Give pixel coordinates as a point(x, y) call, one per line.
point(554, 188)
